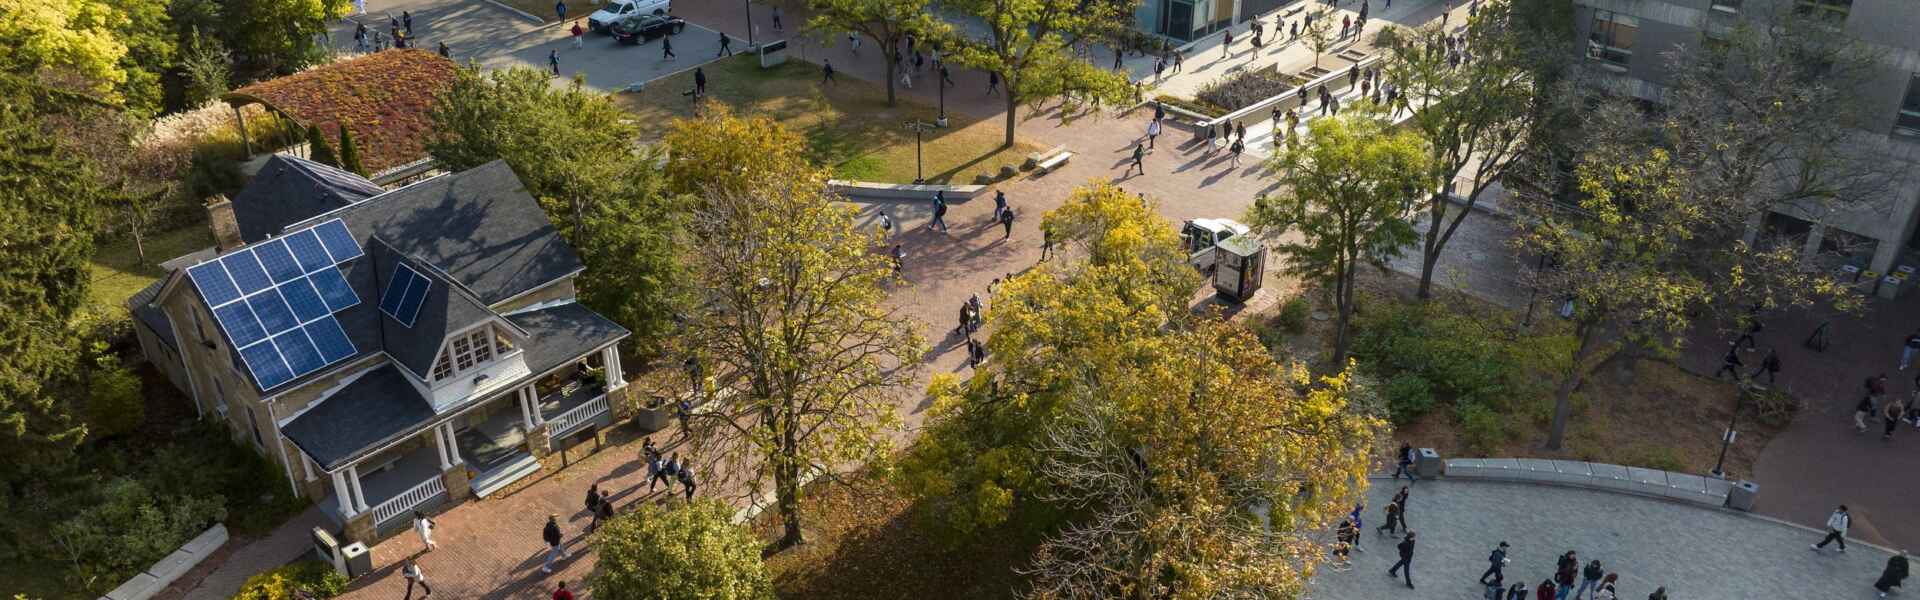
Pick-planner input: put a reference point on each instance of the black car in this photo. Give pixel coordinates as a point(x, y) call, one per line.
point(640, 28)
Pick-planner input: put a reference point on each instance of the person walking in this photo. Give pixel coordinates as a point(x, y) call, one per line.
point(999, 203)
point(776, 17)
point(826, 71)
point(553, 61)
point(899, 259)
point(1235, 149)
point(1139, 153)
point(562, 593)
point(593, 506)
point(1006, 223)
point(406, 21)
point(413, 575)
point(1497, 560)
point(1153, 131)
point(1892, 575)
point(726, 46)
point(886, 226)
point(699, 82)
point(445, 52)
point(939, 213)
point(1564, 573)
point(423, 527)
point(1590, 578)
point(671, 471)
point(1730, 364)
point(1891, 415)
point(1545, 591)
point(1405, 566)
point(1392, 524)
point(560, 10)
point(946, 77)
point(1912, 347)
point(993, 83)
point(1406, 457)
point(1401, 498)
point(654, 470)
point(1865, 409)
point(1769, 365)
point(1046, 242)
point(1836, 529)
point(666, 48)
point(686, 479)
point(551, 535)
point(1226, 45)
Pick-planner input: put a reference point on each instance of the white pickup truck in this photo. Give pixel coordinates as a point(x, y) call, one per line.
point(617, 10)
point(1202, 236)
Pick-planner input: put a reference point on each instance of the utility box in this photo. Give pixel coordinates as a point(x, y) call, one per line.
point(329, 550)
point(773, 54)
point(1742, 495)
point(1428, 465)
point(358, 559)
point(1240, 265)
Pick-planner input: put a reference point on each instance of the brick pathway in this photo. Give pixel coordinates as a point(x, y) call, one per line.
point(1696, 552)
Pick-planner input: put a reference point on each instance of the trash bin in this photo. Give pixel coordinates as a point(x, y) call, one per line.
point(1429, 464)
point(359, 560)
point(773, 54)
point(1742, 495)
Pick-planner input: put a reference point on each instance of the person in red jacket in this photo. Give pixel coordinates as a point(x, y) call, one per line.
point(562, 593)
point(1545, 591)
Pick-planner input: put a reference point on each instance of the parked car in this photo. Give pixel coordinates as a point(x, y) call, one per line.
point(638, 29)
point(603, 20)
point(1202, 236)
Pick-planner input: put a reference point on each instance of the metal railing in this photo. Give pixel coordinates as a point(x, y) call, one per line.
point(568, 421)
point(399, 505)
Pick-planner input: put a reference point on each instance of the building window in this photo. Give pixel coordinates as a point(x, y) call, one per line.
point(1831, 11)
point(1612, 38)
point(1907, 123)
point(467, 352)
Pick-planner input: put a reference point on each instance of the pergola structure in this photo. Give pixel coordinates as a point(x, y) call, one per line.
point(384, 98)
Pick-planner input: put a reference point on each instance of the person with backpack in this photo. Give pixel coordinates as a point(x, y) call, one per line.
point(1406, 458)
point(686, 479)
point(1892, 575)
point(999, 203)
point(1769, 365)
point(1564, 573)
point(1392, 519)
point(1006, 223)
point(1405, 566)
point(939, 213)
point(1911, 348)
point(1140, 153)
point(551, 535)
point(1590, 578)
point(1495, 562)
point(593, 506)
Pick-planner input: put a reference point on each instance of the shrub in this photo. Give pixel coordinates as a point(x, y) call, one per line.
point(1293, 315)
point(128, 530)
point(982, 179)
point(1201, 107)
point(1408, 397)
point(1007, 171)
point(1481, 429)
point(115, 405)
point(1245, 88)
point(692, 552)
point(312, 576)
point(1467, 359)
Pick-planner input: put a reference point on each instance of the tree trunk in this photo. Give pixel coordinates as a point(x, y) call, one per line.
point(1430, 248)
point(893, 62)
point(1563, 395)
point(136, 228)
point(1343, 308)
point(1012, 105)
point(786, 486)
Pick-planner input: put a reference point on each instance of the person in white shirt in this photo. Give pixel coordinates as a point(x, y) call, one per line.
point(413, 575)
point(1836, 529)
point(423, 526)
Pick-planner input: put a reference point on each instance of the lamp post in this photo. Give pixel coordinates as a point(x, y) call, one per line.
point(749, 6)
point(941, 82)
point(1726, 439)
point(918, 129)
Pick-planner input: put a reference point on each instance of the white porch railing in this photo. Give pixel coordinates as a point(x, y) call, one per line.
point(399, 505)
point(579, 415)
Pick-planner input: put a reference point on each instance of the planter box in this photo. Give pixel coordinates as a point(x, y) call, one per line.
point(653, 419)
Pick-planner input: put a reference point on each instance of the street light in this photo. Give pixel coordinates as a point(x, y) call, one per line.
point(1726, 439)
point(918, 129)
point(749, 5)
point(942, 84)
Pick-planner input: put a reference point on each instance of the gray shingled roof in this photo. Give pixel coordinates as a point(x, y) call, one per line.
point(378, 407)
point(446, 309)
point(479, 226)
point(150, 316)
point(564, 332)
point(289, 190)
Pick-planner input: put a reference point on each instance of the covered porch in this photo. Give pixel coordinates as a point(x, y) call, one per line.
point(389, 485)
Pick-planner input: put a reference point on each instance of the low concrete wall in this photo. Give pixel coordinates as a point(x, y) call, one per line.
point(1676, 486)
point(903, 191)
point(163, 573)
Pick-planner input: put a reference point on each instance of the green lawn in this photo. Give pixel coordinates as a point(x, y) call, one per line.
point(848, 126)
point(118, 272)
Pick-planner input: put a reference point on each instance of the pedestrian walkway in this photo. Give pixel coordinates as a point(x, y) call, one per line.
point(1697, 553)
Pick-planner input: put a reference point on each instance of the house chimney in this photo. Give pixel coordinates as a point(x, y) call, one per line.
point(226, 230)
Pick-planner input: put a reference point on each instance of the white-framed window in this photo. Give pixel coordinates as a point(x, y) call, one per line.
point(468, 351)
point(1907, 121)
point(1831, 11)
point(1611, 41)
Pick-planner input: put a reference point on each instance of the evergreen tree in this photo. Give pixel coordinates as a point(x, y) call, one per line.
point(317, 148)
point(350, 156)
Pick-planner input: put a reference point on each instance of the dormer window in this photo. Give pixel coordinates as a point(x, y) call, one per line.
point(467, 352)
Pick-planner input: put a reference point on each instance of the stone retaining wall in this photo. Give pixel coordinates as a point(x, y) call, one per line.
point(1665, 484)
point(163, 573)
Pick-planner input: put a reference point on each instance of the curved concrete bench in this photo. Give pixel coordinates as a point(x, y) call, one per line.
point(1665, 484)
point(903, 191)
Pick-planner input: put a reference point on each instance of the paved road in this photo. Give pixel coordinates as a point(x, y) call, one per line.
point(1697, 553)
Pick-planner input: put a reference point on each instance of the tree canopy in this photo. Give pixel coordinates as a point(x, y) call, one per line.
point(692, 552)
point(888, 22)
point(1030, 44)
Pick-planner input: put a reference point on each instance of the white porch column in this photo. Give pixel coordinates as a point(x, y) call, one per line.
point(359, 495)
point(533, 400)
point(307, 466)
point(453, 446)
point(526, 411)
point(610, 358)
point(440, 445)
point(343, 493)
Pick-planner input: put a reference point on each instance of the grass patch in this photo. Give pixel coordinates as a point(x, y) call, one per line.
point(862, 544)
point(848, 126)
point(118, 273)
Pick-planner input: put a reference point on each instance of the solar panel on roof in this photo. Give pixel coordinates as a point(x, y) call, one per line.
point(301, 356)
point(213, 282)
point(307, 251)
point(330, 339)
point(304, 300)
point(246, 272)
point(339, 241)
point(240, 324)
point(410, 305)
point(278, 260)
point(272, 310)
point(396, 291)
point(333, 287)
point(268, 368)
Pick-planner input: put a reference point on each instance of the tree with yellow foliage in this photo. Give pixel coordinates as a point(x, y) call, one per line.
point(63, 41)
point(718, 150)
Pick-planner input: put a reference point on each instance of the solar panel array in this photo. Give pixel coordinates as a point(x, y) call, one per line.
point(277, 300)
point(404, 293)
